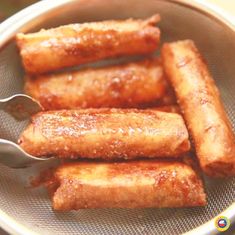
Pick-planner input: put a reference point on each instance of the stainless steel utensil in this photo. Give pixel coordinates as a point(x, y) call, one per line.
point(29, 211)
point(13, 156)
point(20, 107)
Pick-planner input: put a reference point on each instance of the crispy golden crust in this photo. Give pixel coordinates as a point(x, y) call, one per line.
point(135, 184)
point(75, 44)
point(202, 108)
point(169, 99)
point(106, 133)
point(120, 86)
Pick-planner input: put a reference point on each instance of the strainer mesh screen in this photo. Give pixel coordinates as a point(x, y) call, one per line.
point(32, 208)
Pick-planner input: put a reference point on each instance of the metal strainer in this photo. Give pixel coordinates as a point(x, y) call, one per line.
point(28, 211)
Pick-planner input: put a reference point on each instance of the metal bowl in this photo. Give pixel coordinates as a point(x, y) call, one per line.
point(28, 211)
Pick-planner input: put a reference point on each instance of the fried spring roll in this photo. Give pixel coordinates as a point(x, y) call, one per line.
point(120, 86)
point(106, 133)
point(75, 44)
point(135, 184)
point(200, 102)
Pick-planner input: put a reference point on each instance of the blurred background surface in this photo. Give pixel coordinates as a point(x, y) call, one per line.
point(9, 7)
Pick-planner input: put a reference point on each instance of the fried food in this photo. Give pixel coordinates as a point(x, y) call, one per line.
point(106, 133)
point(168, 99)
point(200, 102)
point(121, 86)
point(133, 184)
point(168, 109)
point(75, 44)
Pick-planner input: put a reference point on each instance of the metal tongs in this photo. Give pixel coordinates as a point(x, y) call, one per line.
point(21, 107)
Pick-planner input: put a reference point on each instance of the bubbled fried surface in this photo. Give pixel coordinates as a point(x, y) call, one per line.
point(200, 102)
point(120, 86)
point(106, 133)
point(75, 44)
point(132, 184)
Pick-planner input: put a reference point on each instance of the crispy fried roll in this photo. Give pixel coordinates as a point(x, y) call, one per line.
point(106, 133)
point(120, 86)
point(75, 44)
point(202, 108)
point(135, 184)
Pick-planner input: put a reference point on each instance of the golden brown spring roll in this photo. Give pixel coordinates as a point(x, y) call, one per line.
point(106, 133)
point(199, 99)
point(120, 86)
point(135, 184)
point(75, 44)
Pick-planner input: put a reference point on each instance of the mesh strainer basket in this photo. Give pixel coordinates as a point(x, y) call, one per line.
point(28, 211)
